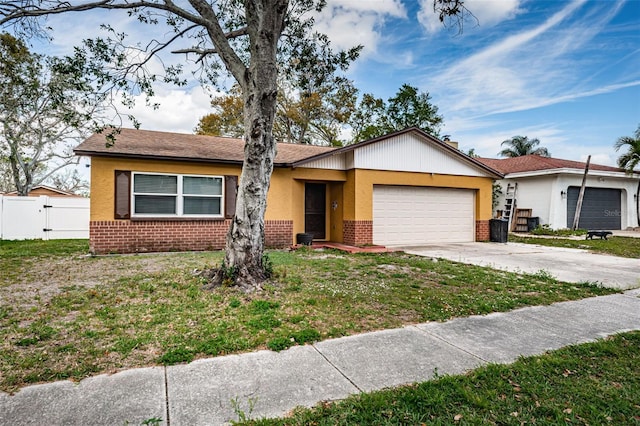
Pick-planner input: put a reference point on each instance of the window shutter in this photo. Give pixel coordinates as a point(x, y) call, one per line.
point(230, 192)
point(122, 194)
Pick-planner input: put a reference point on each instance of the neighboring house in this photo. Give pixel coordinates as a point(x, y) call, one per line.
point(157, 191)
point(550, 188)
point(46, 190)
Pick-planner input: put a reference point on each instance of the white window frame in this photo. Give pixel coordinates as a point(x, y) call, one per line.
point(179, 196)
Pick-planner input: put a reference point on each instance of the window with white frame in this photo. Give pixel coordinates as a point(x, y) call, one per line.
point(155, 194)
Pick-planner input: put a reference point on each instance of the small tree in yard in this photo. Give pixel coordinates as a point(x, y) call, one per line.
point(45, 110)
point(245, 39)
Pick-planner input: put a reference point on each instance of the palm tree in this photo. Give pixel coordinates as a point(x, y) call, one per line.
point(630, 160)
point(518, 146)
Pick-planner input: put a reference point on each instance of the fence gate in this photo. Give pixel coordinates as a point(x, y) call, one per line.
point(43, 217)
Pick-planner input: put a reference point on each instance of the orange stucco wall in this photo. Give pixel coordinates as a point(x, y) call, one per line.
point(349, 193)
point(334, 179)
point(285, 199)
point(362, 189)
point(102, 178)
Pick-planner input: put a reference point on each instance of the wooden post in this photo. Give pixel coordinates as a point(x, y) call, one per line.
point(576, 217)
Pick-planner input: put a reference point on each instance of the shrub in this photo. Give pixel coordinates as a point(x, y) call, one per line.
point(547, 230)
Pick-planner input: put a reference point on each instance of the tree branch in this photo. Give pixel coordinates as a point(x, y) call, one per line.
point(12, 12)
point(205, 17)
point(219, 38)
point(205, 52)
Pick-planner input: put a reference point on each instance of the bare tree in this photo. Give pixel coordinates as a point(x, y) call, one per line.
point(45, 111)
point(70, 180)
point(6, 177)
point(249, 39)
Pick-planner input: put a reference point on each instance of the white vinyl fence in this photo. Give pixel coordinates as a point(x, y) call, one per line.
point(43, 217)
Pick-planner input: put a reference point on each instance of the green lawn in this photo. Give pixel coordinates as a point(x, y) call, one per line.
point(67, 315)
point(590, 384)
point(616, 246)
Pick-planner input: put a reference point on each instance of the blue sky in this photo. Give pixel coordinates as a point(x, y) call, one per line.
point(566, 72)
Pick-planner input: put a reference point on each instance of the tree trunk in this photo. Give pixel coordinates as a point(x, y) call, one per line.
point(22, 190)
point(243, 262)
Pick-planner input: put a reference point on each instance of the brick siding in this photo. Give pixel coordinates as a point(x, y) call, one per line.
point(278, 233)
point(125, 236)
point(482, 230)
point(357, 232)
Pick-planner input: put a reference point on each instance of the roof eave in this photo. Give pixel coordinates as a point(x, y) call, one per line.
point(570, 171)
point(157, 157)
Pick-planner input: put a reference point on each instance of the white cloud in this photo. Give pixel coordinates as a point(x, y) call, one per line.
point(554, 62)
point(487, 12)
point(532, 68)
point(601, 158)
point(179, 110)
point(379, 7)
point(492, 12)
point(349, 23)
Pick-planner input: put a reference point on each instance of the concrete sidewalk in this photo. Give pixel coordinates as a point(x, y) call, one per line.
point(206, 391)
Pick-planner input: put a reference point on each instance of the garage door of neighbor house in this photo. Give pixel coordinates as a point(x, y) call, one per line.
point(407, 215)
point(601, 208)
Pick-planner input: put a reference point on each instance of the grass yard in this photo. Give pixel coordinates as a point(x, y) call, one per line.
point(616, 246)
point(67, 315)
point(591, 384)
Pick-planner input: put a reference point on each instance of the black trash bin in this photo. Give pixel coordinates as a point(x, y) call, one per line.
point(498, 230)
point(304, 238)
point(532, 223)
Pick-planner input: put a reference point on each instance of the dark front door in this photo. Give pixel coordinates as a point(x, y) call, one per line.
point(315, 209)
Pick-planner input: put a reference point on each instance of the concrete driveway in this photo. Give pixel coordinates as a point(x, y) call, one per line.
point(565, 264)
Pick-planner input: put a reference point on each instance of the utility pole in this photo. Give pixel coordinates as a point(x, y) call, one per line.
point(576, 218)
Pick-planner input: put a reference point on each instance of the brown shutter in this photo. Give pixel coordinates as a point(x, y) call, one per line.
point(122, 195)
point(230, 192)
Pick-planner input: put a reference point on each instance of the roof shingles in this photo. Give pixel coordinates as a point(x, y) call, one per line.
point(532, 163)
point(179, 146)
point(149, 144)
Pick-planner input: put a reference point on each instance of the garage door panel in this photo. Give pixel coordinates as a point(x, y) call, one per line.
point(405, 215)
point(601, 208)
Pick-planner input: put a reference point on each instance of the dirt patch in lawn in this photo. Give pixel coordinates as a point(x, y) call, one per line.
point(47, 277)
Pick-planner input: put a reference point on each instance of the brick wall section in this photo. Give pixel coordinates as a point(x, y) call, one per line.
point(278, 233)
point(357, 232)
point(124, 236)
point(482, 230)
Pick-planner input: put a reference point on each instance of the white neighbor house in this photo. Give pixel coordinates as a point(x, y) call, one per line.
point(550, 188)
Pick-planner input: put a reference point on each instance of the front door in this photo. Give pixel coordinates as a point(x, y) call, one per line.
point(315, 210)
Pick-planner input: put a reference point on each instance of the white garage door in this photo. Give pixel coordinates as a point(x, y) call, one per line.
point(407, 215)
